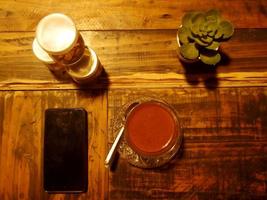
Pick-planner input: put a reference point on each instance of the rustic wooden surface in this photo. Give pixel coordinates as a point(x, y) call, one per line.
point(222, 110)
point(132, 14)
point(224, 154)
point(143, 58)
point(21, 141)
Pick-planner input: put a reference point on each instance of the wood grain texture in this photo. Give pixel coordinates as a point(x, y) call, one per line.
point(139, 58)
point(224, 154)
point(222, 110)
point(127, 14)
point(21, 141)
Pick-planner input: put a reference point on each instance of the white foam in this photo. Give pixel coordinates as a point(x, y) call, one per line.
point(56, 33)
point(40, 53)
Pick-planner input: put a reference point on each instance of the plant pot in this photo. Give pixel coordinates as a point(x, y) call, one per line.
point(185, 60)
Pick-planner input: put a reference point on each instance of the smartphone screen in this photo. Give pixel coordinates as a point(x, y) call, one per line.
point(65, 150)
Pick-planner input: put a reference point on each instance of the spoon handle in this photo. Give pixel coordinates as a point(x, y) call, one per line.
point(112, 151)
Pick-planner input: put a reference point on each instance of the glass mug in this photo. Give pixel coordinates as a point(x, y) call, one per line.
point(59, 42)
point(152, 134)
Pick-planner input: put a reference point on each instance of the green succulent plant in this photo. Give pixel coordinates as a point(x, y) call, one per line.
point(200, 35)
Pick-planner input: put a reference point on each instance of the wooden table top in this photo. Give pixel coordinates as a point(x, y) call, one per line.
point(222, 110)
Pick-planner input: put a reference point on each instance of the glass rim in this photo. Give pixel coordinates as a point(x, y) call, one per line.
point(90, 73)
point(39, 38)
point(175, 138)
point(41, 54)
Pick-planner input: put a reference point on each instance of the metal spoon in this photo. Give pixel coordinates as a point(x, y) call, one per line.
point(111, 154)
point(113, 149)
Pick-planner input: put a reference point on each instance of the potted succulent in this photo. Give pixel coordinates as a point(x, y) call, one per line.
point(200, 35)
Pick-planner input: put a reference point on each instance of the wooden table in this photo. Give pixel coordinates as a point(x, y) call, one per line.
point(223, 110)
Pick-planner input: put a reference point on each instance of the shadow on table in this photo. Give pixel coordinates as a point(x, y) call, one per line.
point(198, 72)
point(61, 75)
point(96, 87)
point(170, 165)
point(115, 162)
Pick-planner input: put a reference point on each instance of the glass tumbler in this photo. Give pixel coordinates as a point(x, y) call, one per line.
point(152, 134)
point(57, 35)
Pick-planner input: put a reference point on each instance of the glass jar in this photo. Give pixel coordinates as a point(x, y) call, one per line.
point(152, 134)
point(58, 36)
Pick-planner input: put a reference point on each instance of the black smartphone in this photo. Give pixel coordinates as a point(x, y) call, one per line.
point(65, 167)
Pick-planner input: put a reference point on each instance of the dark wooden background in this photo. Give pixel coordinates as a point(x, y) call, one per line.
point(223, 110)
point(225, 147)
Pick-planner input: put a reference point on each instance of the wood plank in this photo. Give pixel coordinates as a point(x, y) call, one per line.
point(134, 14)
point(21, 141)
point(138, 58)
point(224, 154)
